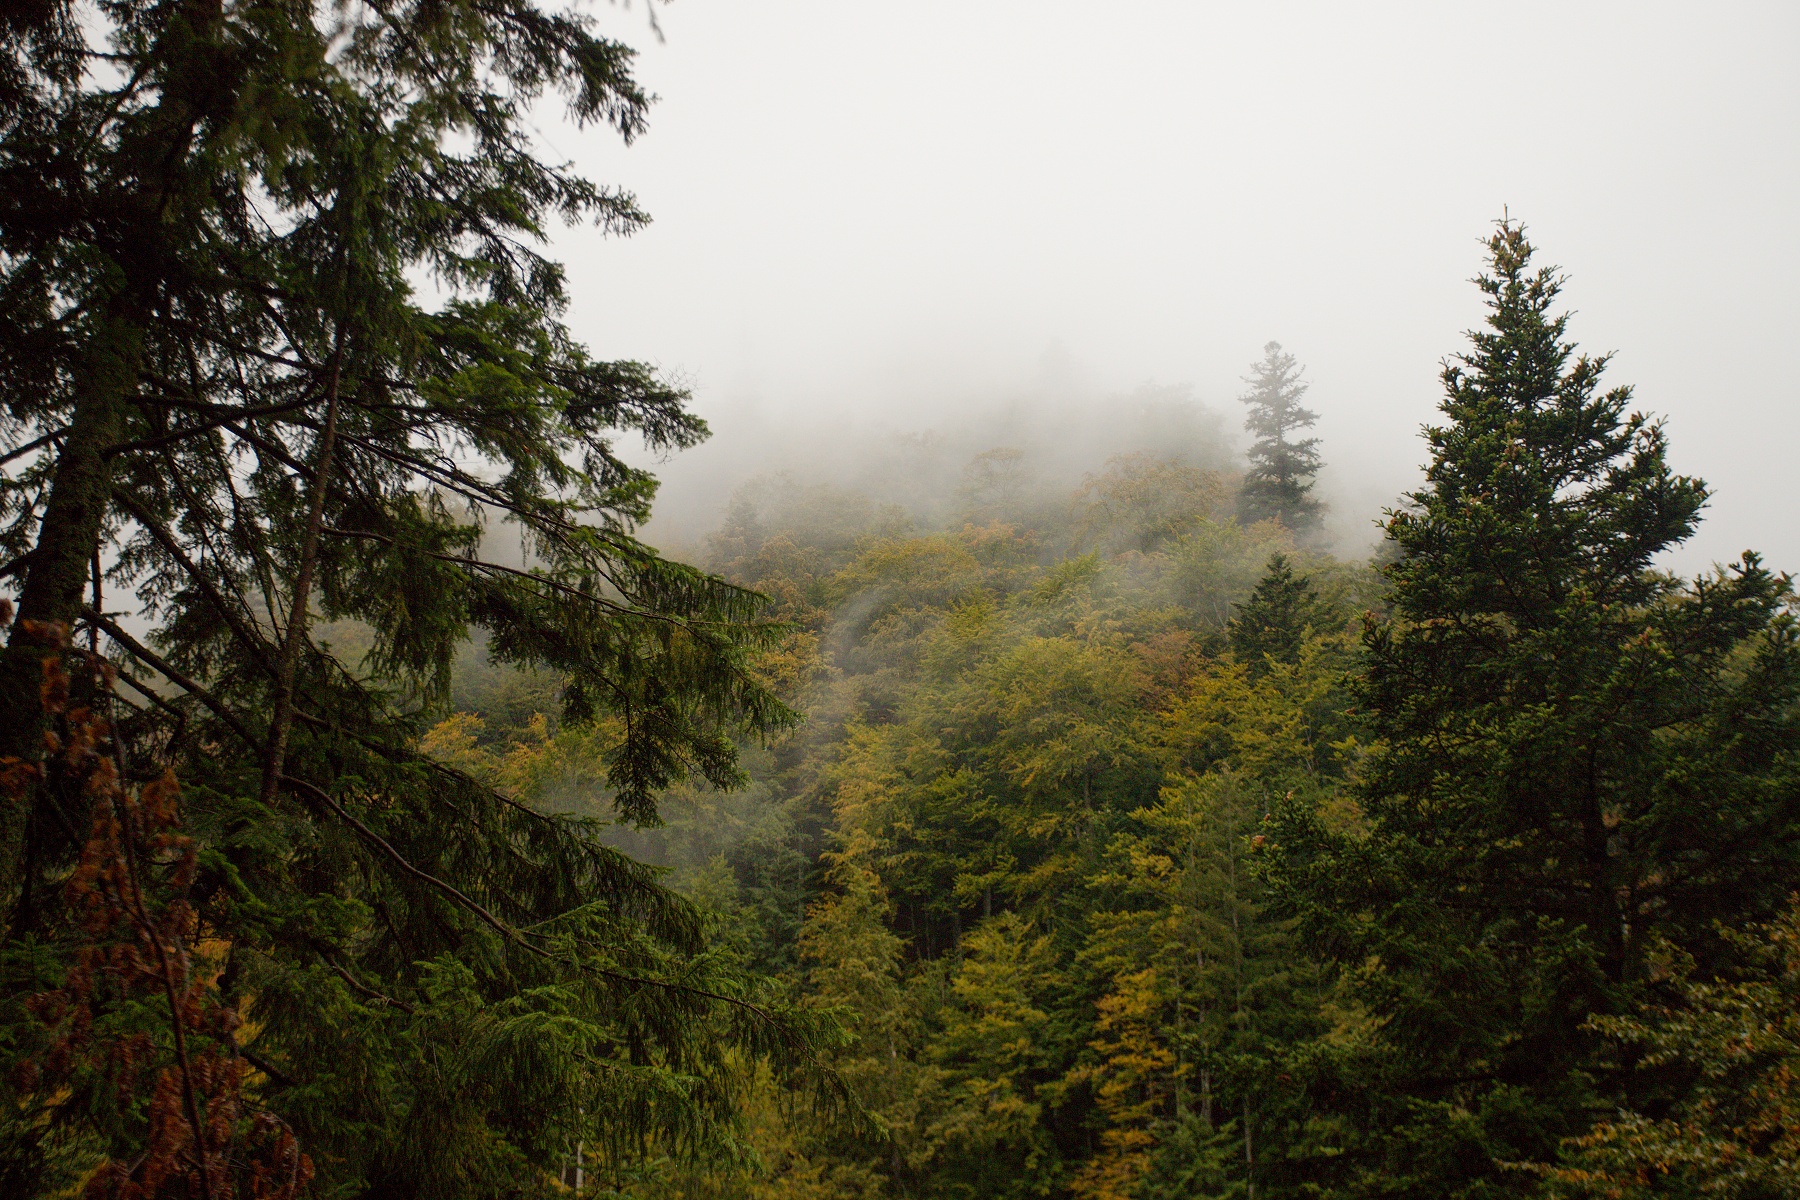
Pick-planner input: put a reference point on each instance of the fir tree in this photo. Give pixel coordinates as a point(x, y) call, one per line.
point(216, 381)
point(1279, 616)
point(1278, 485)
point(1577, 754)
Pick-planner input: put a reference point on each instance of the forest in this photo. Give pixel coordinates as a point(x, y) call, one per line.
point(383, 815)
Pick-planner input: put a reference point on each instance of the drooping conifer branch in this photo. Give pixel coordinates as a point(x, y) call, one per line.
point(255, 159)
point(300, 611)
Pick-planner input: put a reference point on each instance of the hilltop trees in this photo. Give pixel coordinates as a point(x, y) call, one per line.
point(1149, 879)
point(1579, 754)
point(1278, 485)
point(1129, 874)
point(1038, 783)
point(222, 397)
point(1241, 904)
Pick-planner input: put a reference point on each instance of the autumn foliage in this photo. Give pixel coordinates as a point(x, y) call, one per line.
point(136, 1034)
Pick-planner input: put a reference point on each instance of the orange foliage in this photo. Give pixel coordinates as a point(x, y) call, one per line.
point(128, 894)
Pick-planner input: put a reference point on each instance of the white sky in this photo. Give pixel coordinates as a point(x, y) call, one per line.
point(883, 209)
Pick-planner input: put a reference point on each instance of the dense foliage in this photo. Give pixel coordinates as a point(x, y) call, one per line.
point(225, 401)
point(1148, 854)
point(1131, 845)
point(1014, 844)
point(1575, 754)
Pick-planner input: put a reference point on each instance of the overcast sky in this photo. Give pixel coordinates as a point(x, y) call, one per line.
point(885, 209)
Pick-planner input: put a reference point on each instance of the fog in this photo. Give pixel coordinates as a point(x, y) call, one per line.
point(994, 220)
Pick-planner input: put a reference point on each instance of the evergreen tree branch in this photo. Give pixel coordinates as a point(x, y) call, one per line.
point(34, 444)
point(302, 590)
point(201, 579)
point(218, 416)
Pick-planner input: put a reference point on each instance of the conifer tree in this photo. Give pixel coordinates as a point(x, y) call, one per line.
point(1278, 485)
point(1735, 1131)
point(218, 384)
point(1578, 753)
point(1187, 928)
point(1277, 618)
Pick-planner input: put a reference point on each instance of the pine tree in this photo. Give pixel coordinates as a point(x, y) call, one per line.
point(1278, 485)
point(1577, 753)
point(219, 385)
point(1204, 991)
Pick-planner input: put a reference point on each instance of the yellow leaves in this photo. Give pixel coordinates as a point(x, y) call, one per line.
point(968, 621)
point(1063, 707)
point(452, 742)
point(983, 1115)
point(1342, 816)
point(1141, 501)
point(867, 782)
point(1349, 1025)
point(788, 668)
point(562, 768)
point(913, 571)
point(855, 959)
point(1263, 725)
point(1131, 1080)
point(1005, 967)
point(987, 1061)
point(1113, 1173)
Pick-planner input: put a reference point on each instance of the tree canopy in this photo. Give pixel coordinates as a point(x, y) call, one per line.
point(380, 815)
point(1146, 875)
point(1575, 754)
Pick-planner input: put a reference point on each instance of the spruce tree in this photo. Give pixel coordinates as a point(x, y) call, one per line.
point(1277, 618)
point(1278, 485)
point(222, 401)
point(1578, 754)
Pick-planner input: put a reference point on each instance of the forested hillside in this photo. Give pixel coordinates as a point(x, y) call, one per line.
point(1037, 743)
point(384, 815)
point(1145, 852)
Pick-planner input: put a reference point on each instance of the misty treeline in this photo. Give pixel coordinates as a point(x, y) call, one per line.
point(1146, 849)
point(384, 817)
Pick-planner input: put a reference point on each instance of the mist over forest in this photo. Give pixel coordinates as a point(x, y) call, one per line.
point(1095, 611)
point(1036, 441)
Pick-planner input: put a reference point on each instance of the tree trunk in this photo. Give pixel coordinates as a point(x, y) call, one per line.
point(68, 538)
point(1249, 1153)
point(152, 168)
point(80, 493)
point(274, 754)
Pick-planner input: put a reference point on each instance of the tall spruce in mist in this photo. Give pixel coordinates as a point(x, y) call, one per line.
point(217, 381)
point(1278, 485)
point(1577, 754)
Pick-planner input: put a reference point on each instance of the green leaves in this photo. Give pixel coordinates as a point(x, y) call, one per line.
point(1734, 1129)
point(1278, 486)
point(1280, 615)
